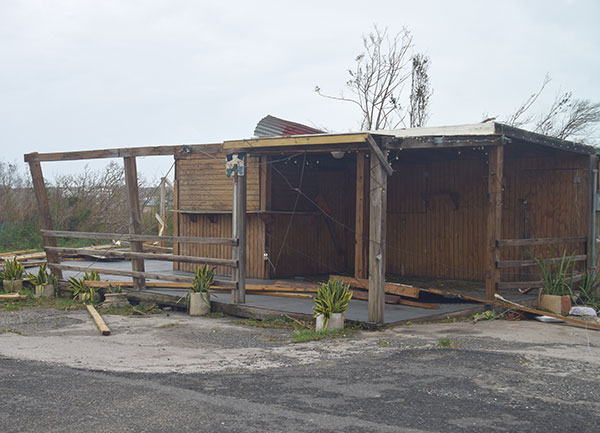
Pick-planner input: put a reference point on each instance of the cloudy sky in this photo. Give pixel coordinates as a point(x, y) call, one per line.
point(83, 74)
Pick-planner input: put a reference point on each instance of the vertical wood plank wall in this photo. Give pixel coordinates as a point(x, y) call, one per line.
point(203, 186)
point(437, 201)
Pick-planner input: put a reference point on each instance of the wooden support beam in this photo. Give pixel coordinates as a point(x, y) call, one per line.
point(377, 239)
point(176, 215)
point(361, 234)
point(100, 323)
point(44, 208)
point(135, 217)
point(265, 206)
point(238, 252)
point(494, 218)
point(141, 238)
point(379, 155)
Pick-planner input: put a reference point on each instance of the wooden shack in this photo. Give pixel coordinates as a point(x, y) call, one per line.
point(471, 202)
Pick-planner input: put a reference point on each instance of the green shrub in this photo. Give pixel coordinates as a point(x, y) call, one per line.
point(12, 270)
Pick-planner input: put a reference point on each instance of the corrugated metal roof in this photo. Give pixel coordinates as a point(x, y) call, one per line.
point(270, 126)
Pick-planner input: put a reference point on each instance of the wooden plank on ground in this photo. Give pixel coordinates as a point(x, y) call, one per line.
point(394, 299)
point(98, 320)
point(390, 288)
point(17, 253)
point(11, 297)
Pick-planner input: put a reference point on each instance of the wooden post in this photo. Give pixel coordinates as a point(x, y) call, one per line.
point(377, 232)
point(238, 223)
point(176, 245)
point(361, 244)
point(135, 218)
point(44, 208)
point(591, 244)
point(265, 206)
point(494, 218)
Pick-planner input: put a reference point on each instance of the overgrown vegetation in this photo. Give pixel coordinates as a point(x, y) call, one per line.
point(92, 200)
point(444, 342)
point(31, 301)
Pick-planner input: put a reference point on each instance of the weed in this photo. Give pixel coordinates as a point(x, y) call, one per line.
point(409, 323)
point(31, 301)
point(215, 315)
point(486, 315)
point(12, 331)
point(384, 344)
point(273, 322)
point(304, 335)
point(129, 310)
point(444, 342)
point(168, 325)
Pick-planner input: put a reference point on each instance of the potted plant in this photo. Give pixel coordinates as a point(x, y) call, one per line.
point(81, 291)
point(199, 294)
point(331, 302)
point(12, 275)
point(44, 281)
point(557, 280)
point(115, 297)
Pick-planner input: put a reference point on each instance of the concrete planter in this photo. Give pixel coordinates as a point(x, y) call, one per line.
point(554, 303)
point(115, 300)
point(199, 304)
point(12, 285)
point(46, 291)
point(336, 321)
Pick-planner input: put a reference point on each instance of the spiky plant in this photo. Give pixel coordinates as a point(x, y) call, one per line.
point(332, 297)
point(557, 276)
point(203, 279)
point(81, 291)
point(13, 270)
point(42, 278)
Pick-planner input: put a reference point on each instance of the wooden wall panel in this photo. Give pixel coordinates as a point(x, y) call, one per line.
point(220, 226)
point(204, 185)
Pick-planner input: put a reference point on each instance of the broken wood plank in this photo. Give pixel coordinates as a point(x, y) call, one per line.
point(98, 319)
point(390, 288)
point(282, 294)
point(11, 297)
point(579, 322)
point(17, 253)
point(394, 299)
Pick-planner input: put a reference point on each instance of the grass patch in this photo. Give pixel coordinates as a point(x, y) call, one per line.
point(384, 344)
point(31, 301)
point(215, 315)
point(130, 310)
point(11, 331)
point(274, 323)
point(303, 335)
point(445, 342)
point(486, 315)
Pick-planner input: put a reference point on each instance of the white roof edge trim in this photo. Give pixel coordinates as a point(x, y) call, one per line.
point(488, 128)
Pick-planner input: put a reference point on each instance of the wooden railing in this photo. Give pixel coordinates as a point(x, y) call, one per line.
point(140, 255)
point(503, 264)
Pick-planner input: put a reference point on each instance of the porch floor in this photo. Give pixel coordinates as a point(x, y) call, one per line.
point(357, 310)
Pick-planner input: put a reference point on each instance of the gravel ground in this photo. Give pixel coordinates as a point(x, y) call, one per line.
point(172, 372)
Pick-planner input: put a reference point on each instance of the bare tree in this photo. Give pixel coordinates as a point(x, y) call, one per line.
point(376, 81)
point(566, 118)
point(420, 91)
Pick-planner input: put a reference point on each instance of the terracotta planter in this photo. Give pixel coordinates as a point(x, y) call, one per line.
point(12, 285)
point(554, 303)
point(336, 321)
point(47, 290)
point(199, 304)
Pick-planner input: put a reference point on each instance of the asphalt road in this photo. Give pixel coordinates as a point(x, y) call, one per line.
point(377, 382)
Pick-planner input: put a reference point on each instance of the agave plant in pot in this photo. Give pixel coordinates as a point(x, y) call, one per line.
point(44, 281)
point(199, 295)
point(557, 283)
point(331, 302)
point(12, 275)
